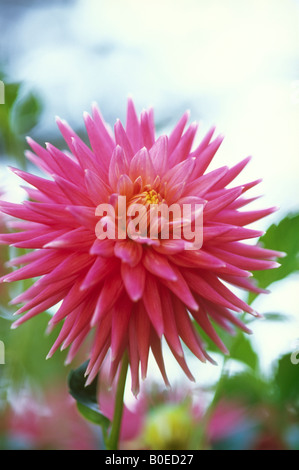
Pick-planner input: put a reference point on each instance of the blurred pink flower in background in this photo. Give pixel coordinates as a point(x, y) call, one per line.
point(48, 422)
point(225, 419)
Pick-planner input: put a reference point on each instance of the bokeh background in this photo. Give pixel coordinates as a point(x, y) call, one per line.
point(232, 64)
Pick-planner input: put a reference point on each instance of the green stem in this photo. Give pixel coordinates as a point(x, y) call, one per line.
point(113, 439)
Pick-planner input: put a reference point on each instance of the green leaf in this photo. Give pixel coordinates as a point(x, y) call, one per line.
point(242, 350)
point(274, 316)
point(26, 114)
point(26, 349)
point(247, 387)
point(280, 237)
point(11, 93)
point(286, 380)
point(94, 416)
point(86, 397)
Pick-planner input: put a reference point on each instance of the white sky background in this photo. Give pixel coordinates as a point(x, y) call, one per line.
point(232, 63)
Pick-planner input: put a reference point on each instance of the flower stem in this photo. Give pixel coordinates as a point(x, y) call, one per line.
point(113, 439)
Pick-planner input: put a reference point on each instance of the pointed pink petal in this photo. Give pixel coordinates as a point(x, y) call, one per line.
point(36, 268)
point(243, 218)
point(182, 362)
point(214, 206)
point(186, 330)
point(171, 332)
point(122, 140)
point(47, 187)
point(181, 289)
point(102, 151)
point(104, 248)
point(158, 265)
point(201, 259)
point(226, 293)
point(147, 129)
point(183, 148)
point(204, 322)
point(69, 168)
point(143, 330)
point(101, 268)
point(243, 283)
point(157, 351)
point(45, 159)
point(97, 190)
point(87, 159)
point(125, 186)
point(171, 247)
point(204, 143)
point(133, 129)
point(179, 173)
point(207, 290)
point(244, 262)
point(142, 165)
point(200, 186)
point(102, 337)
point(82, 321)
point(128, 251)
point(111, 290)
point(69, 266)
point(159, 154)
point(78, 239)
point(232, 173)
point(134, 280)
point(118, 166)
point(120, 326)
point(64, 332)
point(212, 308)
point(204, 159)
point(152, 302)
point(254, 251)
point(134, 358)
point(103, 130)
point(84, 216)
point(177, 132)
point(42, 307)
point(72, 300)
point(73, 351)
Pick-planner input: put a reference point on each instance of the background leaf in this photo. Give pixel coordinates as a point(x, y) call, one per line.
point(18, 115)
point(242, 351)
point(280, 237)
point(247, 386)
point(286, 380)
point(86, 397)
point(26, 113)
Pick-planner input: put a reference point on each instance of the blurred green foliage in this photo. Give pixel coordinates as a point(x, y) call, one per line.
point(18, 116)
point(284, 237)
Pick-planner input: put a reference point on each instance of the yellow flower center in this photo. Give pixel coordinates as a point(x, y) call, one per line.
point(151, 197)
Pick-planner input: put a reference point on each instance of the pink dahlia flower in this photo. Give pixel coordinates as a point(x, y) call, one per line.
point(133, 291)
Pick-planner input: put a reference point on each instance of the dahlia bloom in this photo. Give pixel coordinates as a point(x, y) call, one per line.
point(132, 292)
